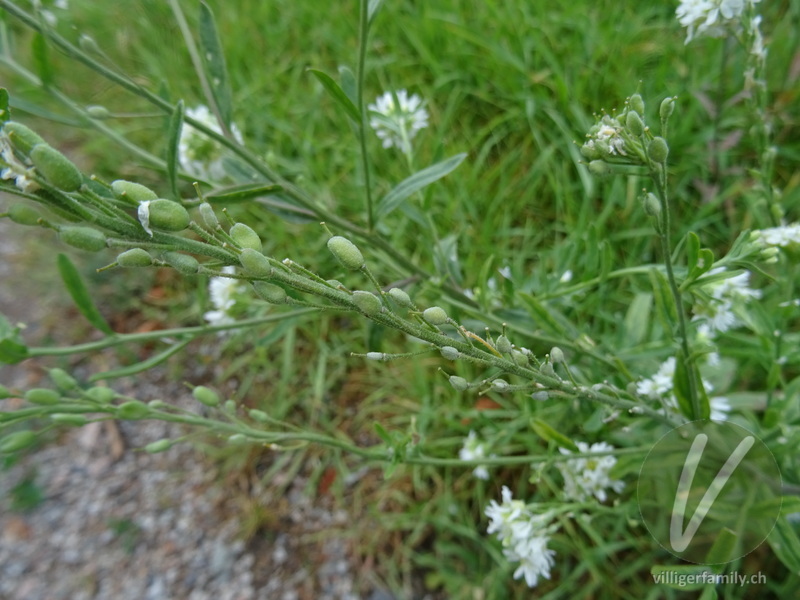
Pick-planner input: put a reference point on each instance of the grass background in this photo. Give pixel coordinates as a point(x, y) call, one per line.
point(514, 84)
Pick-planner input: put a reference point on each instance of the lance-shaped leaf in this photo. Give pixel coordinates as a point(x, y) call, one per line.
point(80, 295)
point(173, 139)
point(550, 434)
point(5, 114)
point(214, 65)
point(337, 93)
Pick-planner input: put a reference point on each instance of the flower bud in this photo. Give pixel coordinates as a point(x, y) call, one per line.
point(205, 395)
point(636, 103)
point(556, 355)
point(274, 294)
point(135, 257)
point(133, 410)
point(42, 396)
point(401, 297)
point(449, 352)
point(22, 214)
point(245, 237)
point(56, 168)
point(95, 111)
point(600, 168)
point(163, 215)
point(255, 263)
point(652, 206)
point(435, 315)
point(23, 138)
point(101, 395)
point(133, 191)
point(183, 263)
point(209, 216)
point(367, 303)
point(503, 345)
point(69, 419)
point(666, 108)
point(658, 150)
point(459, 383)
point(158, 446)
point(346, 252)
point(63, 380)
point(634, 123)
point(19, 440)
point(84, 238)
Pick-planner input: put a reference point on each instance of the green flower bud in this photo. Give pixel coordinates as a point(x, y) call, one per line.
point(636, 103)
point(162, 214)
point(63, 380)
point(158, 446)
point(135, 257)
point(56, 168)
point(69, 419)
point(401, 297)
point(634, 123)
point(600, 168)
point(209, 216)
point(22, 214)
point(346, 252)
point(500, 385)
point(666, 108)
point(652, 206)
point(133, 410)
point(84, 238)
point(450, 353)
point(658, 150)
point(205, 395)
point(435, 315)
point(133, 191)
point(98, 112)
point(274, 294)
point(245, 237)
point(19, 440)
point(255, 263)
point(459, 383)
point(367, 303)
point(259, 415)
point(23, 138)
point(183, 263)
point(556, 355)
point(100, 394)
point(42, 396)
point(503, 345)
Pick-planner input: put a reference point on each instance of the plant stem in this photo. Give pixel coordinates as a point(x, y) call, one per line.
point(363, 35)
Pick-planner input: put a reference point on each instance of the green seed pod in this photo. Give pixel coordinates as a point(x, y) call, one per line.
point(209, 216)
point(636, 103)
point(346, 252)
point(19, 440)
point(23, 138)
point(255, 263)
point(634, 123)
point(158, 404)
point(547, 370)
point(4, 393)
point(165, 215)
point(42, 396)
point(377, 356)
point(183, 263)
point(133, 410)
point(22, 214)
point(100, 394)
point(600, 168)
point(658, 150)
point(666, 109)
point(245, 237)
point(367, 303)
point(259, 416)
point(98, 112)
point(459, 383)
point(556, 355)
point(435, 315)
point(449, 352)
point(274, 294)
point(590, 152)
point(500, 385)
point(401, 297)
point(230, 406)
point(135, 257)
point(69, 419)
point(159, 446)
point(503, 345)
point(652, 206)
point(84, 238)
point(540, 396)
point(238, 439)
point(519, 358)
point(205, 395)
point(56, 168)
point(133, 191)
point(63, 380)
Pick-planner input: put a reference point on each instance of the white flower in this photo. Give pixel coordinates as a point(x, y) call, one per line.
point(397, 122)
point(712, 18)
point(718, 312)
point(222, 291)
point(143, 212)
point(474, 449)
point(661, 383)
point(198, 153)
point(782, 236)
point(15, 169)
point(535, 559)
point(588, 476)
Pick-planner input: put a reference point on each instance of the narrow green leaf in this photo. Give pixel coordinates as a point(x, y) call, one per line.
point(12, 349)
point(349, 85)
point(723, 549)
point(416, 182)
point(680, 386)
point(5, 113)
point(637, 319)
point(382, 433)
point(548, 433)
point(80, 295)
point(664, 299)
point(214, 64)
point(143, 365)
point(240, 193)
point(606, 259)
point(173, 138)
point(373, 8)
point(547, 317)
point(337, 93)
point(692, 251)
point(41, 59)
point(785, 544)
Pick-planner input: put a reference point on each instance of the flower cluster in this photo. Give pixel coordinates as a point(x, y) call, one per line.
point(589, 476)
point(717, 305)
point(474, 449)
point(783, 236)
point(222, 292)
point(396, 118)
point(712, 18)
point(606, 139)
point(199, 154)
point(524, 537)
point(14, 168)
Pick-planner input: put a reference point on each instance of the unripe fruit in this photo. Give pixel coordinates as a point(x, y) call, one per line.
point(69, 419)
point(56, 168)
point(245, 237)
point(22, 214)
point(540, 396)
point(634, 123)
point(101, 395)
point(519, 358)
point(159, 446)
point(503, 345)
point(259, 416)
point(435, 315)
point(84, 238)
point(556, 355)
point(205, 395)
point(133, 410)
point(63, 380)
point(401, 297)
point(42, 396)
point(134, 191)
point(599, 168)
point(183, 263)
point(164, 215)
point(367, 303)
point(270, 292)
point(666, 108)
point(255, 263)
point(23, 138)
point(96, 111)
point(135, 257)
point(658, 150)
point(209, 217)
point(346, 252)
point(19, 440)
point(449, 352)
point(459, 383)
point(500, 385)
point(636, 103)
point(652, 206)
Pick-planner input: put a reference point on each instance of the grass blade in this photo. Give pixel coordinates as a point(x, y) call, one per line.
point(173, 138)
point(80, 295)
point(214, 64)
